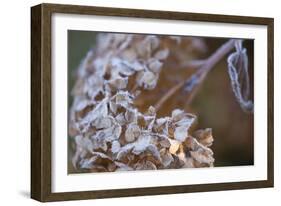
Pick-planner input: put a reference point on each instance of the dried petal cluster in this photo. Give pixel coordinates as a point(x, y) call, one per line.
point(110, 132)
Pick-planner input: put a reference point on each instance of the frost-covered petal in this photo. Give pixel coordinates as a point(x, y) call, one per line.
point(155, 65)
point(132, 132)
point(175, 145)
point(118, 67)
point(115, 147)
point(123, 99)
point(145, 165)
point(180, 133)
point(203, 156)
point(122, 167)
point(103, 122)
point(120, 118)
point(101, 110)
point(119, 82)
point(204, 136)
point(99, 142)
point(147, 80)
point(131, 115)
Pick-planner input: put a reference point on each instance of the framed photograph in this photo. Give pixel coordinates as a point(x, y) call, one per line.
point(137, 102)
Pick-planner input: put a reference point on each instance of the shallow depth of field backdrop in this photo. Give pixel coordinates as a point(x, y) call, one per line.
point(214, 104)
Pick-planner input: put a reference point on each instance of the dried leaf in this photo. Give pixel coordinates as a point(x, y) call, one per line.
point(239, 76)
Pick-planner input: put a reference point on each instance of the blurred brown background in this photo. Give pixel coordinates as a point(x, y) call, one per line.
point(214, 104)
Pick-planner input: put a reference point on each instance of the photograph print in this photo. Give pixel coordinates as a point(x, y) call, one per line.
point(153, 102)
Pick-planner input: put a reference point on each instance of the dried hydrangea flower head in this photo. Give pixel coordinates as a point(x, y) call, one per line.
point(110, 132)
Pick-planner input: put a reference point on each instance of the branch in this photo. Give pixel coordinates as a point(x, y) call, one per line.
point(200, 75)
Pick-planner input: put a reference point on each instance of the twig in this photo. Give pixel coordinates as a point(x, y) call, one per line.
point(200, 74)
point(196, 64)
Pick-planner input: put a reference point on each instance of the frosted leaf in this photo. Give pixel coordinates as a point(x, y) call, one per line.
point(166, 158)
point(153, 150)
point(175, 145)
point(161, 121)
point(88, 163)
point(119, 83)
point(99, 142)
point(177, 163)
point(152, 41)
point(118, 39)
point(189, 163)
point(141, 144)
point(115, 147)
point(131, 115)
point(132, 132)
point(101, 66)
point(239, 76)
point(76, 156)
point(186, 121)
point(109, 134)
point(122, 167)
point(149, 44)
point(191, 143)
point(125, 42)
point(120, 119)
point(123, 99)
point(136, 66)
point(129, 54)
point(165, 143)
point(155, 65)
point(177, 115)
point(160, 125)
point(149, 122)
point(124, 151)
point(204, 136)
point(180, 118)
point(113, 107)
point(84, 142)
point(180, 133)
point(181, 155)
point(162, 54)
point(145, 165)
point(97, 156)
point(84, 145)
point(147, 80)
point(101, 110)
point(203, 156)
point(117, 131)
point(82, 104)
point(151, 111)
point(103, 122)
point(118, 66)
point(93, 86)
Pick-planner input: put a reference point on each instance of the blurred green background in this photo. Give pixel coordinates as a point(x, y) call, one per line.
point(214, 104)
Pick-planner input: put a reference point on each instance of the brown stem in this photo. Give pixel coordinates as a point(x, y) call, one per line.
point(202, 72)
